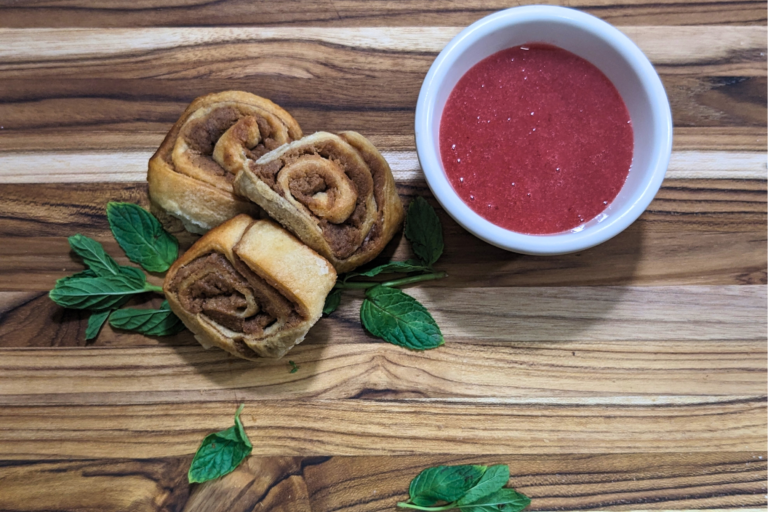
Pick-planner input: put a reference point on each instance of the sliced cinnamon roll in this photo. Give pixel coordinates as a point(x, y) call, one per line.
point(249, 287)
point(190, 176)
point(335, 192)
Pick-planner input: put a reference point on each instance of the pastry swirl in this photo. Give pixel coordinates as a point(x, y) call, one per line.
point(190, 176)
point(249, 287)
point(335, 192)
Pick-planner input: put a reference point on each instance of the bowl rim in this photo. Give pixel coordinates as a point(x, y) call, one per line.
point(557, 243)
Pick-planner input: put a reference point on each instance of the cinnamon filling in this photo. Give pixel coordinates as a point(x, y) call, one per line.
point(232, 296)
point(202, 134)
point(345, 237)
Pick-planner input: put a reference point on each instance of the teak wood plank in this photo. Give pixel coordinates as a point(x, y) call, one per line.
point(666, 481)
point(313, 52)
point(360, 368)
point(60, 142)
point(41, 167)
point(684, 45)
point(67, 13)
point(375, 105)
point(514, 314)
point(415, 426)
point(695, 232)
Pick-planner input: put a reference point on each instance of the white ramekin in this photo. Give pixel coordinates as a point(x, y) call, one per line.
point(592, 39)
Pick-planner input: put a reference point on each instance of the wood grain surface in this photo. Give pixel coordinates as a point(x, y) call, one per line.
point(631, 376)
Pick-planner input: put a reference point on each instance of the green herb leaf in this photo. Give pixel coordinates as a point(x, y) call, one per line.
point(99, 292)
point(398, 318)
point(400, 267)
point(220, 453)
point(142, 237)
point(152, 322)
point(504, 500)
point(444, 483)
point(95, 321)
point(79, 275)
point(493, 479)
point(332, 302)
point(423, 229)
point(94, 256)
point(294, 367)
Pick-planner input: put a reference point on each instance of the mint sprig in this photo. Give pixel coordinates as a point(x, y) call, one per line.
point(220, 453)
point(467, 488)
point(142, 237)
point(389, 313)
point(105, 285)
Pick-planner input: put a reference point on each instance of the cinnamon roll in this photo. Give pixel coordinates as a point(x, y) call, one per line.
point(190, 176)
point(249, 287)
point(335, 192)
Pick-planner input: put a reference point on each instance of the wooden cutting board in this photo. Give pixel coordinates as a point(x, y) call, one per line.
point(631, 376)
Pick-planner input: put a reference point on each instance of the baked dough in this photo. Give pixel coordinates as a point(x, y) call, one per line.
point(334, 192)
point(249, 287)
point(190, 176)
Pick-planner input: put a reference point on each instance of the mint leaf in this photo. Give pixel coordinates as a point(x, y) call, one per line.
point(504, 500)
point(294, 367)
point(220, 453)
point(79, 275)
point(151, 322)
point(95, 321)
point(142, 237)
point(401, 267)
point(493, 479)
point(444, 483)
point(423, 229)
point(332, 302)
point(94, 256)
point(98, 292)
point(400, 319)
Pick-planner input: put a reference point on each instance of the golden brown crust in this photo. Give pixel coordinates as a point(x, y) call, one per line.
point(325, 172)
point(192, 183)
point(258, 250)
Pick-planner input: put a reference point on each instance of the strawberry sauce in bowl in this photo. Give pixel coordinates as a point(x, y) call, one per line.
point(536, 140)
point(543, 130)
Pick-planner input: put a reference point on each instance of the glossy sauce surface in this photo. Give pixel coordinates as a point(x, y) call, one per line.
point(536, 139)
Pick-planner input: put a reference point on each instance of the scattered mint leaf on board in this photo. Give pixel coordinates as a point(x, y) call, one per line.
point(95, 322)
point(494, 478)
point(423, 229)
point(94, 256)
point(151, 322)
point(445, 483)
point(332, 302)
point(465, 488)
point(99, 292)
point(400, 319)
point(401, 267)
point(142, 237)
point(294, 367)
point(220, 453)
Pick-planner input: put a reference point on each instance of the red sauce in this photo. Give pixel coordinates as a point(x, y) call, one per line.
point(536, 139)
